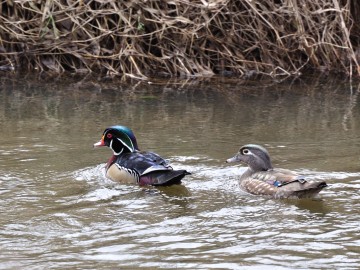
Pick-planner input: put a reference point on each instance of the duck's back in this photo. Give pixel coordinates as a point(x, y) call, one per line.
point(146, 168)
point(276, 176)
point(142, 161)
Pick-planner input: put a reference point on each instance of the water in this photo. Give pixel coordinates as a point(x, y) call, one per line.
point(60, 212)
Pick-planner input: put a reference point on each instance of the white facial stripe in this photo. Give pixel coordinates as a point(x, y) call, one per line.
point(126, 145)
point(119, 152)
point(116, 154)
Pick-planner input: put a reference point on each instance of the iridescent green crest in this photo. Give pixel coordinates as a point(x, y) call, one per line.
point(125, 136)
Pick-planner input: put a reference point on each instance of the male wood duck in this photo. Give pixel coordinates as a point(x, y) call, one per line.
point(130, 165)
point(262, 179)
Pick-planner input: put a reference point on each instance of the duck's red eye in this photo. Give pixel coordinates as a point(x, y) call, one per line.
point(109, 136)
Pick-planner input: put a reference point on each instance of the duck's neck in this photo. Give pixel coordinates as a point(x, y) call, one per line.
point(111, 161)
point(246, 174)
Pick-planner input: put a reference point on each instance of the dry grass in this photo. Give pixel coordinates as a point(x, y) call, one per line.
point(141, 38)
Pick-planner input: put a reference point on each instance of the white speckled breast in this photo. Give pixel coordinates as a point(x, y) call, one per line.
point(116, 173)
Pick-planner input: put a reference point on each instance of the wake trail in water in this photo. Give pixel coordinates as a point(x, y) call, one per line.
point(204, 177)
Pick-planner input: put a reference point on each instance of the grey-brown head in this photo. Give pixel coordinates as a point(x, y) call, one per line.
point(255, 156)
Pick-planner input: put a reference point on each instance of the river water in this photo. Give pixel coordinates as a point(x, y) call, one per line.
point(58, 211)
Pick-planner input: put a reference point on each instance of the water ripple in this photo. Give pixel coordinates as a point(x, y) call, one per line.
point(206, 223)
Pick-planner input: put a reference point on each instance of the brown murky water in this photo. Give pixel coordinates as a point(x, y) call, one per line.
point(58, 211)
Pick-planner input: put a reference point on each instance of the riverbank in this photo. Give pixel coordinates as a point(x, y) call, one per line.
point(139, 39)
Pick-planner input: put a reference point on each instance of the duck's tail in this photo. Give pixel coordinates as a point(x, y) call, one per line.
point(163, 178)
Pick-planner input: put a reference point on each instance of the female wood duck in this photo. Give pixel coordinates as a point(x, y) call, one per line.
point(262, 179)
point(130, 165)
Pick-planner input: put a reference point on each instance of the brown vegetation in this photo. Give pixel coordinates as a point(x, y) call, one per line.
point(141, 38)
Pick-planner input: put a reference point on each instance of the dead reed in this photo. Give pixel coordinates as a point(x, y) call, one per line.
point(142, 38)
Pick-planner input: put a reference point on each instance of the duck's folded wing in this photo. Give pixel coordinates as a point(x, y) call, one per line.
point(300, 189)
point(155, 168)
point(143, 162)
point(278, 177)
point(148, 168)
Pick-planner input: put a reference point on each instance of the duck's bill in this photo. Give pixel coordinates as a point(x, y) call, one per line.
point(99, 143)
point(233, 159)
